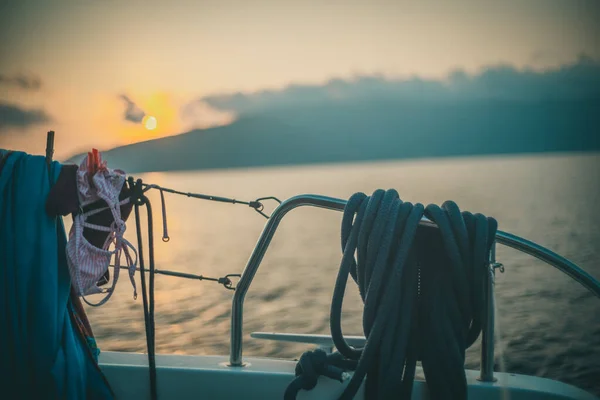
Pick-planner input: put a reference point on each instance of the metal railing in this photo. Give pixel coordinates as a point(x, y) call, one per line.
point(487, 346)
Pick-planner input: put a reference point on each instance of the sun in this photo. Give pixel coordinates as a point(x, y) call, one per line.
point(149, 122)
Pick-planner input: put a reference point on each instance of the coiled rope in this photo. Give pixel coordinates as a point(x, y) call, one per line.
point(422, 289)
point(139, 199)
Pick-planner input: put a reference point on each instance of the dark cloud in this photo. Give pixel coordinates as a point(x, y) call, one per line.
point(12, 116)
point(577, 81)
point(21, 81)
point(133, 113)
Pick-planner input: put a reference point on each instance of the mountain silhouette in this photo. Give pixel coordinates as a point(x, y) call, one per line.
point(372, 129)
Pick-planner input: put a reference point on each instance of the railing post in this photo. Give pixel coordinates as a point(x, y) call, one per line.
point(237, 307)
point(487, 333)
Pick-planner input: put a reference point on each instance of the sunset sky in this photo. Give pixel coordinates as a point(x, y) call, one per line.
point(91, 69)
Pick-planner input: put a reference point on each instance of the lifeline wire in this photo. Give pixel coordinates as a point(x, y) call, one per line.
point(224, 280)
point(257, 205)
point(422, 289)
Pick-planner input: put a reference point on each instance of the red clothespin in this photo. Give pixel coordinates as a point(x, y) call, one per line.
point(95, 163)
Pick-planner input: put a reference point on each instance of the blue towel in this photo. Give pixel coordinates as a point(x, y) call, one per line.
point(42, 355)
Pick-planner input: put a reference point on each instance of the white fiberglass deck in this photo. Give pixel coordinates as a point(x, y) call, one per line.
point(208, 377)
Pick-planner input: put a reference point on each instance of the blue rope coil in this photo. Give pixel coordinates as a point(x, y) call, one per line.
point(422, 288)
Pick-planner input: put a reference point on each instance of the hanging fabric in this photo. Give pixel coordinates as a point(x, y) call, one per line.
point(43, 353)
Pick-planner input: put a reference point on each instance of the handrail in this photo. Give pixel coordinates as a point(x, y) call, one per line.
point(507, 239)
point(550, 257)
point(237, 307)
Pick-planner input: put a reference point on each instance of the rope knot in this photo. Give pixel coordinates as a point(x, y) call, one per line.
point(137, 191)
point(311, 365)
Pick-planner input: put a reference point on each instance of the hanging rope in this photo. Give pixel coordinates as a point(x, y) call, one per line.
point(422, 289)
point(139, 199)
point(165, 237)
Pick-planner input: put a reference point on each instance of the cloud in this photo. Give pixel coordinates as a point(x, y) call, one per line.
point(199, 115)
point(21, 81)
point(577, 81)
point(133, 113)
point(12, 116)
